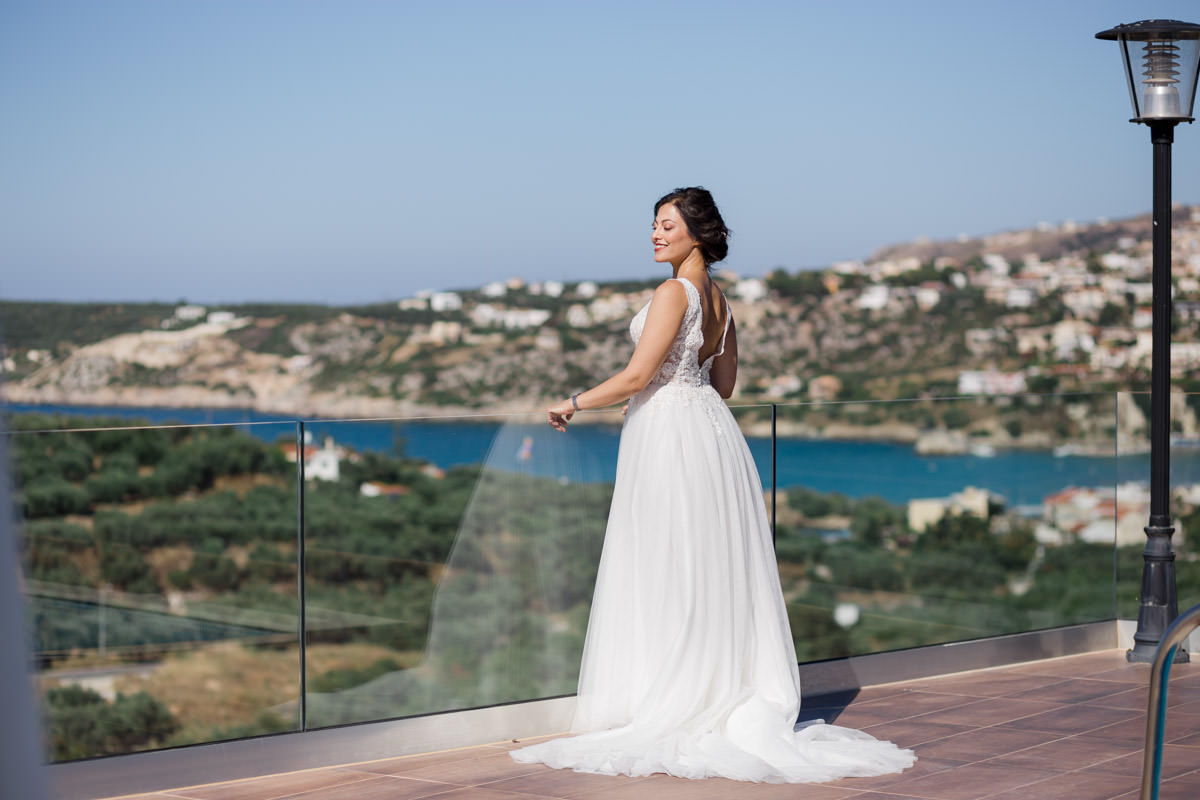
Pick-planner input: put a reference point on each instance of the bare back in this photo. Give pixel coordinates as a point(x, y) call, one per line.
point(715, 311)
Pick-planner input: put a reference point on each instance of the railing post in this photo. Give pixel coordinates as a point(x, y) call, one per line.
point(774, 482)
point(21, 752)
point(1116, 560)
point(300, 575)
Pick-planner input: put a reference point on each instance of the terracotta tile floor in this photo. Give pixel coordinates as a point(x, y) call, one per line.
point(1063, 728)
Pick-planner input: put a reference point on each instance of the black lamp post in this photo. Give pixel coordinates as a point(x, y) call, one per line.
point(1162, 97)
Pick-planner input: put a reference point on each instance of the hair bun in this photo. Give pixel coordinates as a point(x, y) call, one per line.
point(703, 220)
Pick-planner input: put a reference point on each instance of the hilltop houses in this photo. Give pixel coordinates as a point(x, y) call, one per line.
point(486, 315)
point(1095, 515)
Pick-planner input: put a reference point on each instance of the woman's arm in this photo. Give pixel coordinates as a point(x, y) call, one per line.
point(662, 324)
point(723, 372)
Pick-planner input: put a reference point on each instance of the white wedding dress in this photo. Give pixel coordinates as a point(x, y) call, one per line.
point(689, 666)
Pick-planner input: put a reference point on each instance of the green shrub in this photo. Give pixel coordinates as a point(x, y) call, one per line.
point(53, 497)
point(82, 724)
point(126, 569)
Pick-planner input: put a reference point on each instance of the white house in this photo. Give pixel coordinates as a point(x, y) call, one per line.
point(927, 296)
point(990, 382)
point(996, 263)
point(320, 463)
point(1020, 297)
point(1084, 302)
point(1109, 356)
point(486, 315)
point(1071, 335)
point(923, 512)
point(784, 385)
point(874, 297)
point(189, 313)
point(1143, 292)
point(578, 316)
point(1185, 355)
point(750, 289)
point(439, 333)
point(445, 301)
point(613, 307)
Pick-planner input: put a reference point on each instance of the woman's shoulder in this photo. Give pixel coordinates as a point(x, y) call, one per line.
point(672, 290)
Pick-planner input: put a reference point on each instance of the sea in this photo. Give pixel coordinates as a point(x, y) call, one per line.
point(588, 453)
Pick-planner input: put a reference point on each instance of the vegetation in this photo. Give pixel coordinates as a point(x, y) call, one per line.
point(47, 326)
point(81, 723)
point(176, 549)
point(962, 578)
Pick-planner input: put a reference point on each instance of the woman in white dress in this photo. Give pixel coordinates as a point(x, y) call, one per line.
point(689, 666)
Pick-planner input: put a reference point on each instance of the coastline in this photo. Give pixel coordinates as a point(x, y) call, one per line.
point(892, 471)
point(333, 407)
point(324, 406)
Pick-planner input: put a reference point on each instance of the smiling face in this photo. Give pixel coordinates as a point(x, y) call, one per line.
point(672, 240)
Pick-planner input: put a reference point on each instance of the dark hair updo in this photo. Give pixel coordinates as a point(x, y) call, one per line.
point(703, 220)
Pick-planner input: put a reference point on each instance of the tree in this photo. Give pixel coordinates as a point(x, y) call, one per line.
point(956, 417)
point(1113, 314)
point(126, 569)
point(82, 724)
point(54, 497)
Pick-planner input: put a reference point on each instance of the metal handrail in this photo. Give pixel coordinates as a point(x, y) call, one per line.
point(1156, 712)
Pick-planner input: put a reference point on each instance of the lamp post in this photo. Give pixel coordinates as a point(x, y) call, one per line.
point(1167, 53)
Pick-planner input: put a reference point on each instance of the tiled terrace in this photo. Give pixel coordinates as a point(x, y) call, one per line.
point(1068, 727)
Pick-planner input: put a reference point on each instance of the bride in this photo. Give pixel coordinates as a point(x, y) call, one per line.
point(689, 666)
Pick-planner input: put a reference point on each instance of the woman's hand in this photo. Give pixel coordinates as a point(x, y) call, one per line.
point(560, 414)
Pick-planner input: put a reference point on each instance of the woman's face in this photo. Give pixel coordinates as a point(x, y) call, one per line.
point(672, 241)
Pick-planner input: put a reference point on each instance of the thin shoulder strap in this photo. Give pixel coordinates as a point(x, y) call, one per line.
point(689, 289)
point(728, 316)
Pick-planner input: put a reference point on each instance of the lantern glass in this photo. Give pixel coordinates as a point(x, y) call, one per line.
point(1161, 74)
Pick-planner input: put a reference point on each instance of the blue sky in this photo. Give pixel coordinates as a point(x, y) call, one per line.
point(352, 152)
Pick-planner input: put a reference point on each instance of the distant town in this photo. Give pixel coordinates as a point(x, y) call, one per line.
point(1054, 309)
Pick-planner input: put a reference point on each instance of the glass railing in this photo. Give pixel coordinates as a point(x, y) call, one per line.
point(1133, 497)
point(913, 523)
point(160, 567)
point(458, 579)
point(436, 565)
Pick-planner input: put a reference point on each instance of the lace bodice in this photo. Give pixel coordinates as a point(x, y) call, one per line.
point(682, 365)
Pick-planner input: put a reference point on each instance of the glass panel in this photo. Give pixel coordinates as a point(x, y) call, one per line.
point(1133, 494)
point(160, 566)
point(1185, 497)
point(903, 523)
point(1133, 499)
point(450, 564)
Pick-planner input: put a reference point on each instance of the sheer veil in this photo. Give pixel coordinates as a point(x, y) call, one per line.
point(511, 604)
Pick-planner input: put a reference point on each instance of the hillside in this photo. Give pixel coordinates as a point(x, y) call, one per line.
point(1040, 310)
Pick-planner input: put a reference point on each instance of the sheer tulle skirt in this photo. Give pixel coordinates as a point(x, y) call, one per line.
point(689, 666)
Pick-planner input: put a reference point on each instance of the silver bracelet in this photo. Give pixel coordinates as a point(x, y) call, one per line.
point(575, 401)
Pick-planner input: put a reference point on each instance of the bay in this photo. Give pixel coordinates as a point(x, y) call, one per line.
point(588, 453)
